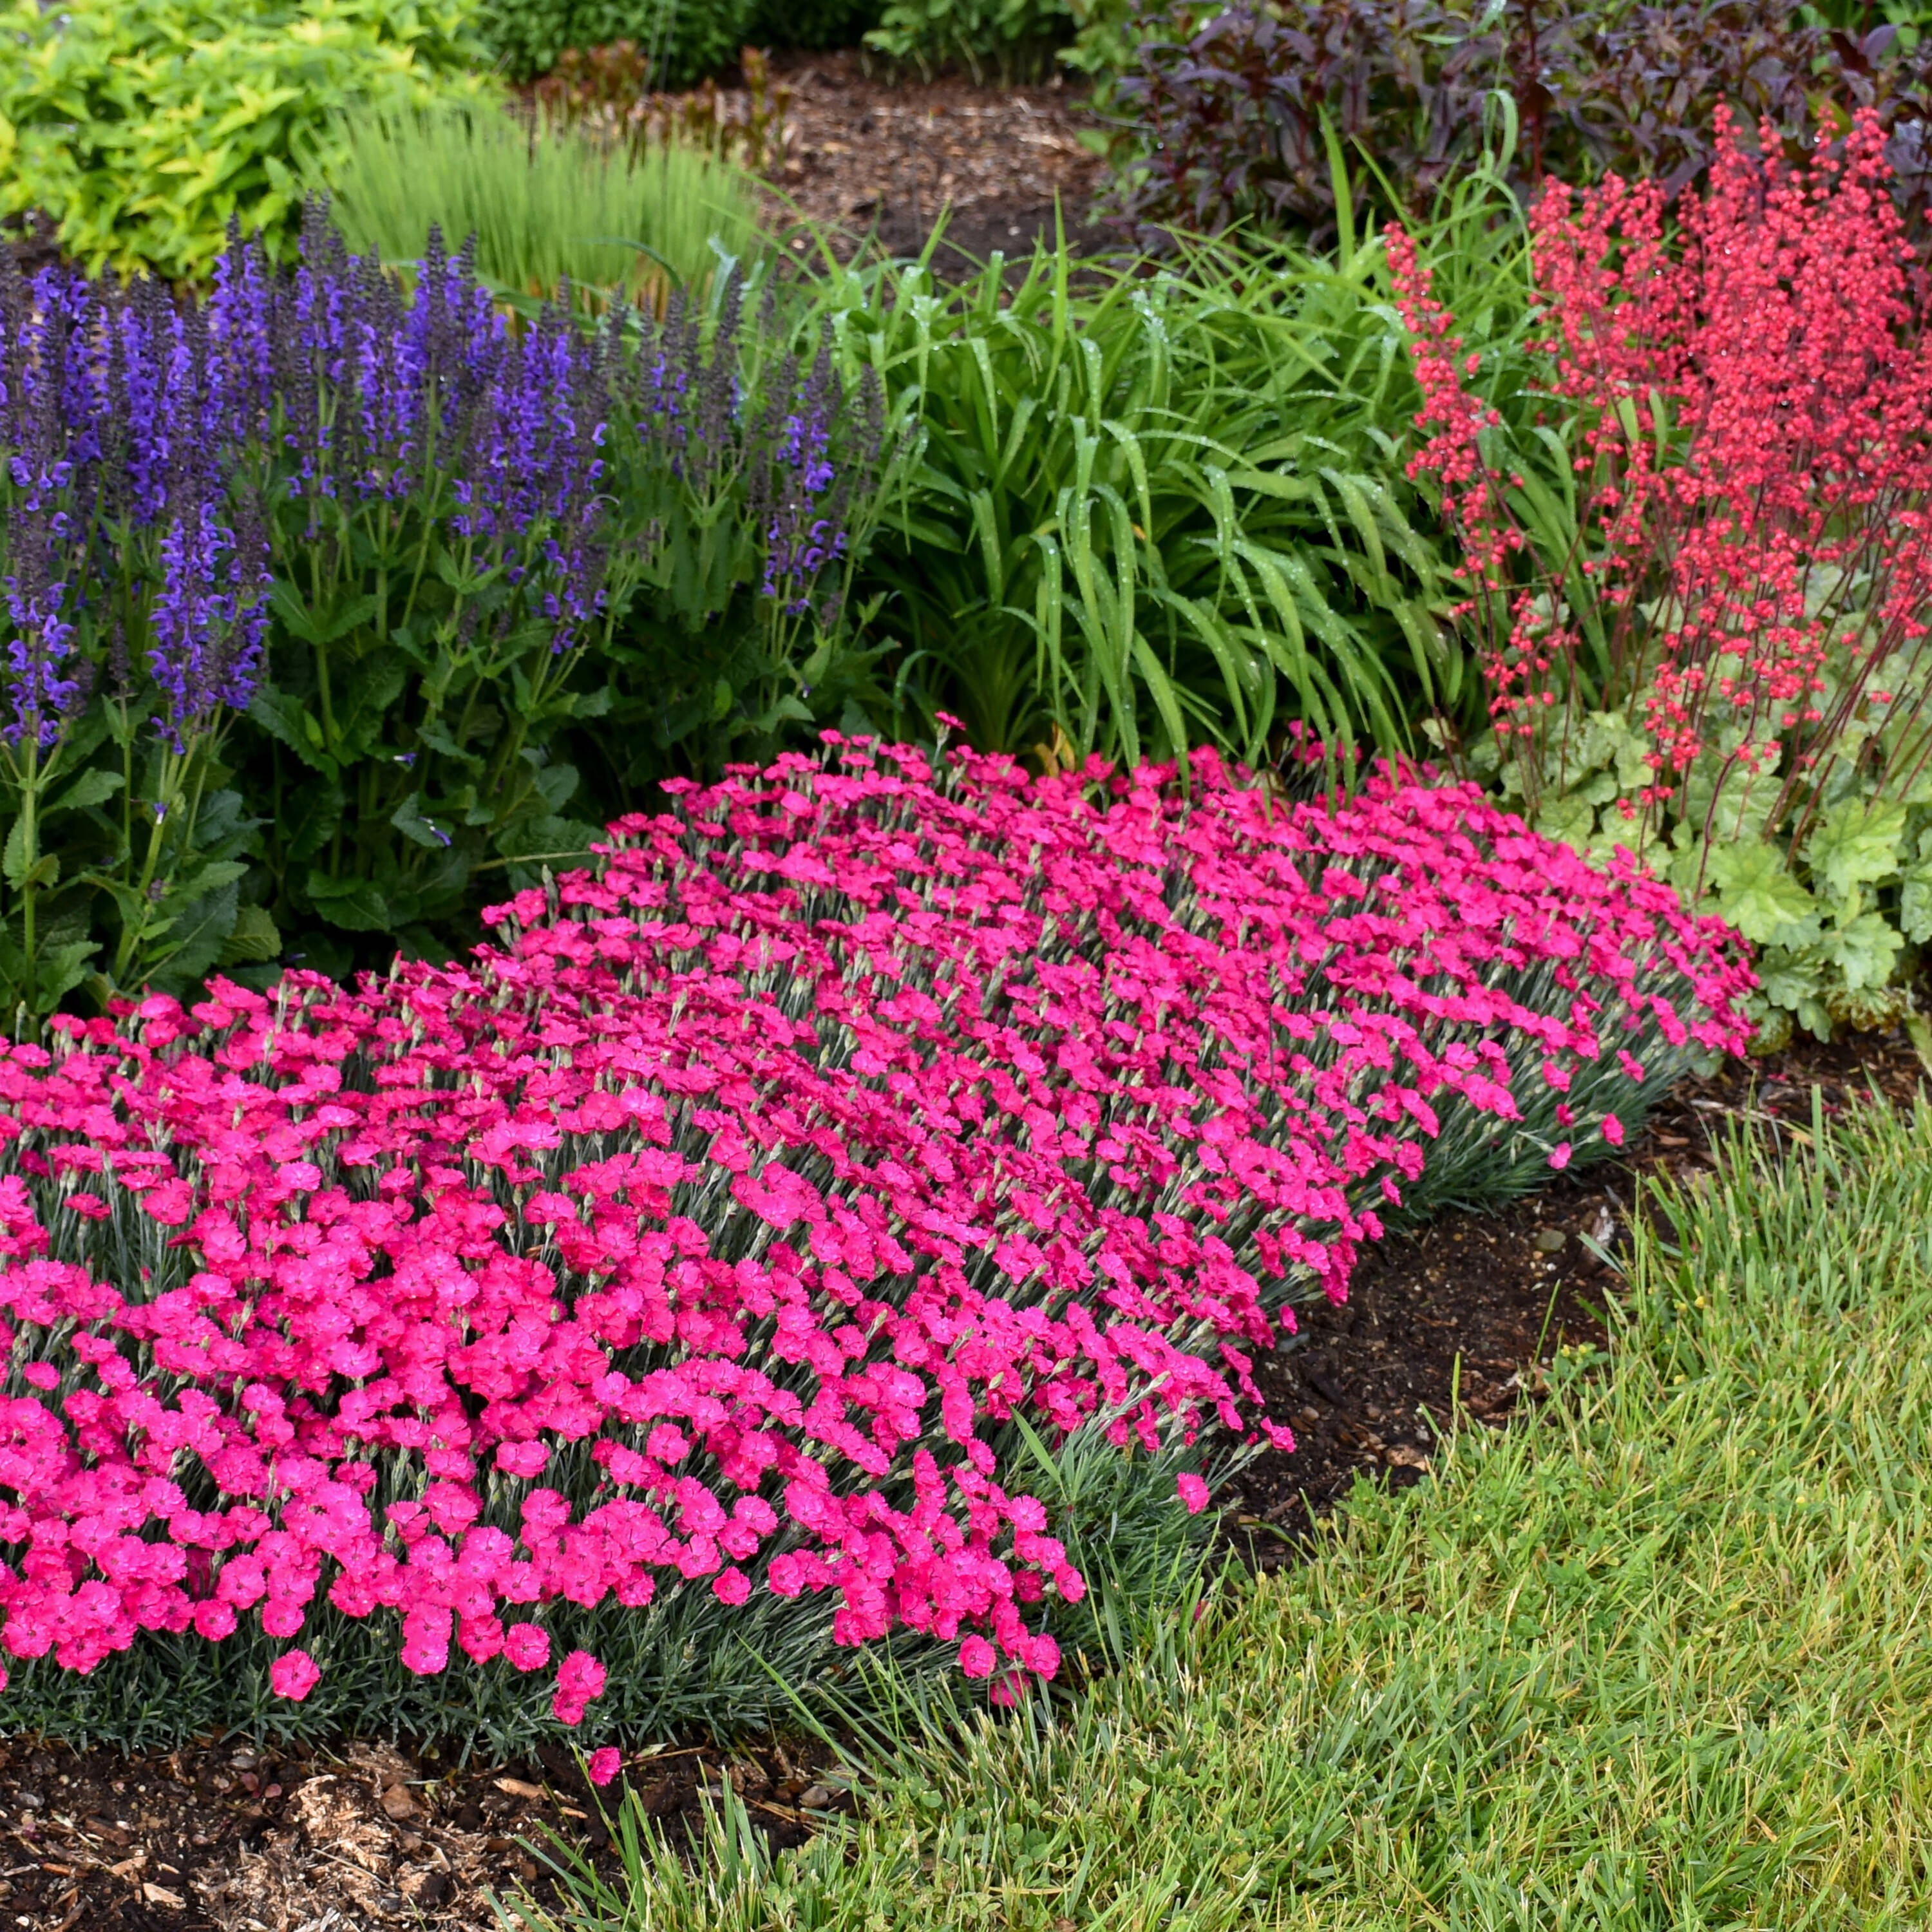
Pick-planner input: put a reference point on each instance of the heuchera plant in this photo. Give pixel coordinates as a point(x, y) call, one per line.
point(712, 1227)
point(1708, 642)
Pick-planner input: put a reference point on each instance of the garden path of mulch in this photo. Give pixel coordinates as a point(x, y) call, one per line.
point(868, 158)
point(222, 1838)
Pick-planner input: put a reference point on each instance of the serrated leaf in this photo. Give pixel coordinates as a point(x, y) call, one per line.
point(14, 861)
point(196, 936)
point(58, 970)
point(557, 785)
point(1757, 893)
point(310, 821)
point(287, 719)
point(92, 788)
point(1865, 952)
point(255, 939)
point(353, 904)
point(1914, 905)
point(1855, 843)
point(407, 818)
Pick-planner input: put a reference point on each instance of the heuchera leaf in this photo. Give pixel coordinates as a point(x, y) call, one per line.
point(1757, 893)
point(1855, 843)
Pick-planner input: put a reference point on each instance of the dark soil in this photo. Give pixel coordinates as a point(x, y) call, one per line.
point(879, 162)
point(223, 1838)
point(228, 1839)
point(1471, 1309)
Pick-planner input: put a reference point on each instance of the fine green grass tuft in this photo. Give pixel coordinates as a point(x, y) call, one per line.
point(544, 207)
point(1658, 1658)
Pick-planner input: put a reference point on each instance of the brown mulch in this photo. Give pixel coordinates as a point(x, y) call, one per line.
point(223, 1838)
point(881, 160)
point(227, 1838)
point(1471, 1309)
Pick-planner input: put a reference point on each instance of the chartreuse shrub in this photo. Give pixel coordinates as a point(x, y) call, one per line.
point(714, 1272)
point(1650, 1659)
point(544, 208)
point(1698, 593)
point(144, 127)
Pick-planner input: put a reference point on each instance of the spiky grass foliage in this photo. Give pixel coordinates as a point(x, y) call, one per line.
point(1154, 511)
point(547, 205)
point(1654, 1660)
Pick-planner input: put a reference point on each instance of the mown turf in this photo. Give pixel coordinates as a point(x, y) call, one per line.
point(1662, 1657)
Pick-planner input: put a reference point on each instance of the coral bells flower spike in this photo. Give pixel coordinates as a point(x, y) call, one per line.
point(708, 1231)
point(1754, 403)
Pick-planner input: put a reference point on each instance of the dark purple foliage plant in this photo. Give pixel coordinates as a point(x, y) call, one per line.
point(1260, 113)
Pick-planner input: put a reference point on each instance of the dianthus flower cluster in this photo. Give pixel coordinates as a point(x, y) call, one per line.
point(709, 1230)
point(1754, 394)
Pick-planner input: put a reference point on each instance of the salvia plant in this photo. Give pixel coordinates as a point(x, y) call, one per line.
point(1702, 625)
point(337, 548)
point(715, 1246)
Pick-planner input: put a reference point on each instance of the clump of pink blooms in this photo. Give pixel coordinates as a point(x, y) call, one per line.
point(708, 1230)
point(1753, 387)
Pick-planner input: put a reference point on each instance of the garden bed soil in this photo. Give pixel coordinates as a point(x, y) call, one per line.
point(1469, 1311)
point(224, 1837)
point(877, 162)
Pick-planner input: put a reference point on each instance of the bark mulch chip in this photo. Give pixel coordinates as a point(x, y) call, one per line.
point(226, 1837)
point(865, 157)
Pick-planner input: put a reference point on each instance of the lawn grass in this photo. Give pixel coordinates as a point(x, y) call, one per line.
point(1660, 1657)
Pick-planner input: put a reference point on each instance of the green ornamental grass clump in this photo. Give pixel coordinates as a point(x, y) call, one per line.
point(144, 127)
point(545, 207)
point(1149, 512)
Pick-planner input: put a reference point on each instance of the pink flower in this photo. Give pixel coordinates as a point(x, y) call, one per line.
point(527, 1646)
point(293, 1675)
point(579, 1680)
point(1559, 1155)
point(605, 1764)
point(1613, 1130)
point(828, 1378)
